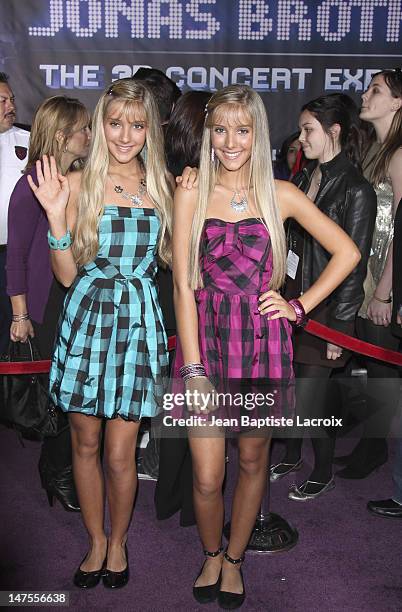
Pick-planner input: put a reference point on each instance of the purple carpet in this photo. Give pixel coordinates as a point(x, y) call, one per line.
point(346, 559)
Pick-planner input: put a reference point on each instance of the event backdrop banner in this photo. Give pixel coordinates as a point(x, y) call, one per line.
point(288, 50)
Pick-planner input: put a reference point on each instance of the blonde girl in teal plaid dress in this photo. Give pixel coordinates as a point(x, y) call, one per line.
point(110, 360)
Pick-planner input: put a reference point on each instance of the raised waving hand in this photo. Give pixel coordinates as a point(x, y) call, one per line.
point(53, 190)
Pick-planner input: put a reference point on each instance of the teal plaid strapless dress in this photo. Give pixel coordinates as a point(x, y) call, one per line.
point(110, 355)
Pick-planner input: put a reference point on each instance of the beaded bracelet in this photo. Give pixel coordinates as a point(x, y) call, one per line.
point(298, 307)
point(20, 317)
point(192, 370)
point(60, 244)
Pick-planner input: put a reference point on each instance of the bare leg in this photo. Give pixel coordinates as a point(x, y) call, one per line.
point(250, 487)
point(88, 477)
point(208, 456)
point(121, 478)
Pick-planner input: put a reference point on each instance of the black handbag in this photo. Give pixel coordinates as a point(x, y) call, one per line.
point(25, 404)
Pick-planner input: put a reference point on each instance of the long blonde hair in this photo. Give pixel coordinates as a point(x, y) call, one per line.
point(261, 179)
point(136, 98)
point(56, 114)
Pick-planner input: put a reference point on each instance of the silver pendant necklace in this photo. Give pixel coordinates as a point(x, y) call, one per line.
point(135, 198)
point(238, 202)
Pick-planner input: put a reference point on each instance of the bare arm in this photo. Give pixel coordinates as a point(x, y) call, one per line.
point(345, 254)
point(384, 286)
point(20, 330)
point(183, 295)
point(184, 300)
point(57, 195)
point(377, 311)
point(63, 263)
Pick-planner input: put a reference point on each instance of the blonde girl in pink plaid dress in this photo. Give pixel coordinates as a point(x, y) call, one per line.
point(229, 263)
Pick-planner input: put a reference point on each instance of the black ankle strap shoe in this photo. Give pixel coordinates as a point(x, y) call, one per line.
point(226, 599)
point(208, 593)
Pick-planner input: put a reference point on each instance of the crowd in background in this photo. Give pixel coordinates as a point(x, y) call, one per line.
point(345, 159)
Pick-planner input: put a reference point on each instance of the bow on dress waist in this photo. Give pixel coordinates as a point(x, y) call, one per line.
point(251, 240)
point(106, 272)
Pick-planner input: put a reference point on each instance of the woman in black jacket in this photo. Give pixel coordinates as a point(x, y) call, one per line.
point(329, 136)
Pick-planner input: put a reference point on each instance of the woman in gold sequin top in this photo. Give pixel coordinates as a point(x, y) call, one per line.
point(382, 108)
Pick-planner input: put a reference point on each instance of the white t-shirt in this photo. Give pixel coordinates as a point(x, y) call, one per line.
point(13, 159)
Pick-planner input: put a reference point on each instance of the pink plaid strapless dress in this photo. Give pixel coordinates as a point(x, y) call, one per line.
point(236, 342)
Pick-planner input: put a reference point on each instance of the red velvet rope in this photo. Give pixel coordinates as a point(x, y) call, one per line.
point(171, 343)
point(312, 327)
point(43, 366)
point(343, 340)
point(25, 367)
point(353, 344)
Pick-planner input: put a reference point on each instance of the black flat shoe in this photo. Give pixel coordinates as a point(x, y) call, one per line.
point(387, 508)
point(207, 594)
point(228, 600)
point(116, 580)
point(88, 580)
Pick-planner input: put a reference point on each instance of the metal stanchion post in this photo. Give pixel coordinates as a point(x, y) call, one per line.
point(271, 533)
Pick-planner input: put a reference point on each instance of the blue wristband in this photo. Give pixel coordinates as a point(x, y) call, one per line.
point(59, 245)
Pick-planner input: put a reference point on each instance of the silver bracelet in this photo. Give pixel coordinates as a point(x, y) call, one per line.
point(21, 317)
point(192, 370)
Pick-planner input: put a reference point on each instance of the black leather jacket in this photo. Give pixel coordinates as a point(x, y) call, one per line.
point(348, 199)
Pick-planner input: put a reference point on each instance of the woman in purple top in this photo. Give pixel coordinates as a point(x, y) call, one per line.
point(229, 263)
point(60, 128)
